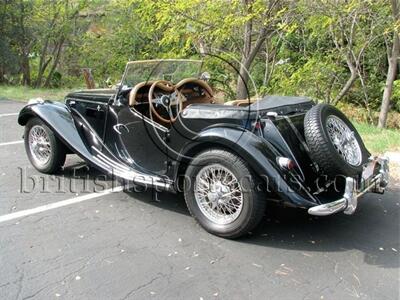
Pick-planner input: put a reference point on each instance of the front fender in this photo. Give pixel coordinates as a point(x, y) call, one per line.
point(257, 152)
point(58, 118)
point(76, 133)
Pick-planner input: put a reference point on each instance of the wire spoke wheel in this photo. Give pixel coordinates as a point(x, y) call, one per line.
point(344, 140)
point(39, 145)
point(218, 194)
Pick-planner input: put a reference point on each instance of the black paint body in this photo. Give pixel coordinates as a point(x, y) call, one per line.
point(100, 127)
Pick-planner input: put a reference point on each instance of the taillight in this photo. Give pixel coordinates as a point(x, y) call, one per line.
point(285, 163)
point(258, 125)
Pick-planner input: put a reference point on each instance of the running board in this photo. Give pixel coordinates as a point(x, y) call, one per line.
point(122, 171)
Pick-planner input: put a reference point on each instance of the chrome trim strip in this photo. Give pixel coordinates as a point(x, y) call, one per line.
point(148, 120)
point(86, 101)
point(125, 172)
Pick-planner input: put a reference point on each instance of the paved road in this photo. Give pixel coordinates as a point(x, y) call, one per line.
point(127, 245)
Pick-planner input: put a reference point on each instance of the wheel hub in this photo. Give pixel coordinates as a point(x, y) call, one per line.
point(39, 145)
point(218, 194)
point(344, 140)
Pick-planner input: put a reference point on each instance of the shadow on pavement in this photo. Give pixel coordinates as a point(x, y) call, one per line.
point(374, 229)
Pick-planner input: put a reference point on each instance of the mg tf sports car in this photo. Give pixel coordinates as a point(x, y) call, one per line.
point(164, 128)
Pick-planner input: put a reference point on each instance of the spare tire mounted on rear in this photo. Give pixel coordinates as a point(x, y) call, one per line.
point(333, 141)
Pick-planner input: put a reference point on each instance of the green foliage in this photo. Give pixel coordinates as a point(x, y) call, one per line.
point(306, 52)
point(396, 95)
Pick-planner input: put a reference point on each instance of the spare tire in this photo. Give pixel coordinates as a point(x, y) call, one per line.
point(333, 141)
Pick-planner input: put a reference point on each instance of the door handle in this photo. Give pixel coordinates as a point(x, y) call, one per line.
point(119, 126)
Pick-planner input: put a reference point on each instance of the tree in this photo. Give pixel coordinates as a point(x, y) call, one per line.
point(392, 56)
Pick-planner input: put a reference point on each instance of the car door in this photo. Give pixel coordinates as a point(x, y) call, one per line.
point(143, 139)
point(93, 111)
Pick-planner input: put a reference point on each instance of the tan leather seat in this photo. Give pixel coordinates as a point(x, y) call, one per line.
point(200, 82)
point(208, 98)
point(134, 91)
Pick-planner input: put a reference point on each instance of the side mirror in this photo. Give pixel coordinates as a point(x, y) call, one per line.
point(205, 76)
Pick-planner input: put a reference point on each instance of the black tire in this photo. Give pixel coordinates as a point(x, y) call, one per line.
point(57, 154)
point(253, 207)
point(322, 149)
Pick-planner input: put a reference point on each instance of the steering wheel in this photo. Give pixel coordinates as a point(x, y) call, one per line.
point(165, 100)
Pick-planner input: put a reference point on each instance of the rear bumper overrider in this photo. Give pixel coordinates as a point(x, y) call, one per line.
point(348, 203)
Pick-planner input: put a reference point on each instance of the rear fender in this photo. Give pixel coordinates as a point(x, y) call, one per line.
point(256, 151)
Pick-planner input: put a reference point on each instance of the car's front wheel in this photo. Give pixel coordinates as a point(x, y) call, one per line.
point(222, 194)
point(45, 151)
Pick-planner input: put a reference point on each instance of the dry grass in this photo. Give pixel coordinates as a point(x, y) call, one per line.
point(360, 115)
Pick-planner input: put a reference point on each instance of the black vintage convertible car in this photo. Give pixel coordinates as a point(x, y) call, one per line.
point(163, 128)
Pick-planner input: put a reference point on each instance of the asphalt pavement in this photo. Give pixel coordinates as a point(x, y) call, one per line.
point(58, 241)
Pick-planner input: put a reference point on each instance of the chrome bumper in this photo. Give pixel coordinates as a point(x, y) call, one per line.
point(348, 203)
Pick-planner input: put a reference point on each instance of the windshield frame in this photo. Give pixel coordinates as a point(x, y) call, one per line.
point(130, 63)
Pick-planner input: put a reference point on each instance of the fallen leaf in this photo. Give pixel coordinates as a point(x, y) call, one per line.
point(288, 269)
point(279, 272)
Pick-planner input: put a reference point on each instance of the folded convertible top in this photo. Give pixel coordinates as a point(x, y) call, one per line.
point(282, 105)
point(271, 101)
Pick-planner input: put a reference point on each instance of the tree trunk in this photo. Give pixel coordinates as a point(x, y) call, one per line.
point(55, 61)
point(26, 70)
point(42, 63)
point(392, 71)
point(243, 77)
point(349, 82)
point(2, 73)
point(242, 91)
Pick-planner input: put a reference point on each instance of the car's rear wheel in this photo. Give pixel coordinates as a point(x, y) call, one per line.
point(222, 194)
point(334, 142)
point(45, 151)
